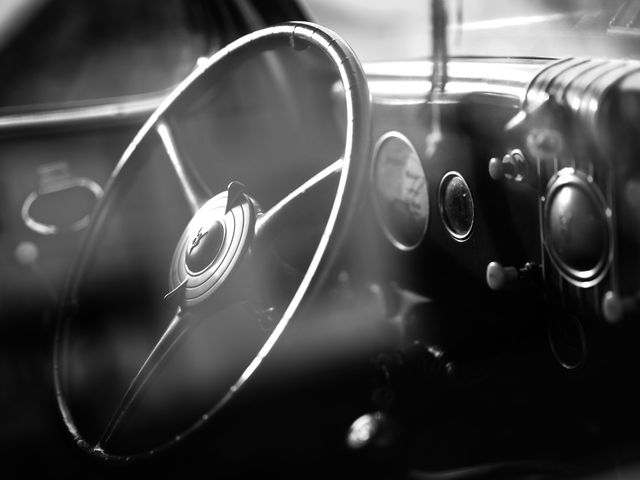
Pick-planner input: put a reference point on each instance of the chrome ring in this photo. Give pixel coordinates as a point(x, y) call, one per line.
point(592, 276)
point(52, 229)
point(458, 236)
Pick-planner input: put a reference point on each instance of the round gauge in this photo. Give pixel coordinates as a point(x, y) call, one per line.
point(400, 192)
point(577, 228)
point(456, 206)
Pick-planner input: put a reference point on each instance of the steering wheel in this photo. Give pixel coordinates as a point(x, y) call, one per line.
point(227, 235)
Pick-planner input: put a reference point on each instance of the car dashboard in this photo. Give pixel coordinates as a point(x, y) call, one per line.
point(529, 301)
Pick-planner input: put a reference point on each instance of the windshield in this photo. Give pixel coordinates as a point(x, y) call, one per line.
point(539, 28)
point(74, 50)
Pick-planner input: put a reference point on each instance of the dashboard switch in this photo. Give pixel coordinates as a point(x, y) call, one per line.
point(496, 170)
point(27, 253)
point(499, 276)
point(615, 307)
point(513, 166)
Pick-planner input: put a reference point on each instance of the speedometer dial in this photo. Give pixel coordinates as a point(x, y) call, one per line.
point(400, 192)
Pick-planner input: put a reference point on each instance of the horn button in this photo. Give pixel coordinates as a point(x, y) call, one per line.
point(211, 246)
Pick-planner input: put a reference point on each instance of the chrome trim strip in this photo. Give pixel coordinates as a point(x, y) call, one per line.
point(409, 82)
point(109, 112)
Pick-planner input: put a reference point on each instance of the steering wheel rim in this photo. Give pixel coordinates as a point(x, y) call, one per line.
point(351, 168)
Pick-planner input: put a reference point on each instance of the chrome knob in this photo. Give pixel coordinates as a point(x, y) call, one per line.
point(499, 276)
point(615, 307)
point(513, 166)
point(496, 170)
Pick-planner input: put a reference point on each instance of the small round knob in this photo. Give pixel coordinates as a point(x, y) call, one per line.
point(615, 307)
point(517, 163)
point(496, 170)
point(375, 432)
point(499, 276)
point(632, 192)
point(27, 253)
point(512, 166)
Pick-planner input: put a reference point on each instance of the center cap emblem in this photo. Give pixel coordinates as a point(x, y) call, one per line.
point(196, 240)
point(211, 245)
point(205, 246)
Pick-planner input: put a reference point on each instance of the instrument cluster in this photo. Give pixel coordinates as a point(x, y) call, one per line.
point(524, 193)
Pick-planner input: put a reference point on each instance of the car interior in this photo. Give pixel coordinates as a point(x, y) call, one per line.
point(237, 239)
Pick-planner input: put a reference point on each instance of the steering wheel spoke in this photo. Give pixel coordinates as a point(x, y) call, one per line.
point(183, 321)
point(300, 200)
point(194, 189)
point(179, 325)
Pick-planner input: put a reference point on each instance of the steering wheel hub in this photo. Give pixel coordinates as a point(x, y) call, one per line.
point(210, 247)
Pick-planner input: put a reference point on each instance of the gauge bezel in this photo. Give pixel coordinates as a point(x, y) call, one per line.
point(580, 278)
point(382, 222)
point(446, 178)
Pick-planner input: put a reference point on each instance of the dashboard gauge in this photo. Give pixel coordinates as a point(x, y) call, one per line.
point(577, 228)
point(400, 192)
point(456, 206)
